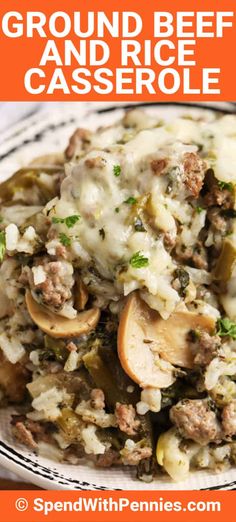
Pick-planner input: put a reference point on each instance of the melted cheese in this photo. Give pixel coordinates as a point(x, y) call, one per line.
point(105, 236)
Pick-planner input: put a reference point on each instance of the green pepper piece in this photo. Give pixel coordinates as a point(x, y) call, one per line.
point(103, 365)
point(70, 425)
point(26, 178)
point(57, 348)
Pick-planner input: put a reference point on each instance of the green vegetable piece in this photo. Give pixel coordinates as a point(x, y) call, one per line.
point(56, 220)
point(226, 327)
point(225, 186)
point(70, 424)
point(199, 210)
point(104, 367)
point(56, 348)
point(130, 201)
point(28, 178)
point(2, 245)
point(102, 377)
point(64, 240)
point(69, 221)
point(138, 260)
point(117, 170)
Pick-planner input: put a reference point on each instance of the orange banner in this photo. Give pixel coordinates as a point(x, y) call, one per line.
point(164, 506)
point(99, 50)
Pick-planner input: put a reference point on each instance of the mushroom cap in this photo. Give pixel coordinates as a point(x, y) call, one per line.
point(57, 326)
point(144, 339)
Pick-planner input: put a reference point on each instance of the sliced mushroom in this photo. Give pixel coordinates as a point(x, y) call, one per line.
point(145, 340)
point(81, 294)
point(57, 326)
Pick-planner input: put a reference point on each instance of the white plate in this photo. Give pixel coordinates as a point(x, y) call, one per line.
point(45, 132)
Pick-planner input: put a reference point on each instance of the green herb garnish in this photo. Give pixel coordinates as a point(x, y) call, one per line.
point(138, 260)
point(56, 220)
point(130, 201)
point(64, 240)
point(117, 210)
point(226, 327)
point(199, 210)
point(2, 245)
point(225, 186)
point(102, 233)
point(69, 221)
point(116, 170)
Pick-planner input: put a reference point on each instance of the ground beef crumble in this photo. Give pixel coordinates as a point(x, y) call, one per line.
point(57, 287)
point(229, 419)
point(132, 456)
point(158, 166)
point(216, 195)
point(24, 435)
point(79, 141)
point(108, 459)
point(196, 421)
point(195, 256)
point(29, 432)
point(194, 173)
point(125, 416)
point(206, 348)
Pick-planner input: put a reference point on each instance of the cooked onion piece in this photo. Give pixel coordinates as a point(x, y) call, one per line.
point(146, 342)
point(81, 294)
point(226, 261)
point(58, 326)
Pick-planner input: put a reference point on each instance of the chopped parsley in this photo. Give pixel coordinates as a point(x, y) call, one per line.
point(130, 201)
point(69, 221)
point(138, 260)
point(64, 240)
point(117, 170)
point(226, 327)
point(225, 186)
point(199, 210)
point(102, 233)
point(117, 210)
point(2, 245)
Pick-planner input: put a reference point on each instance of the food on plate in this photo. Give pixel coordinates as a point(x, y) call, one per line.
point(118, 296)
point(58, 326)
